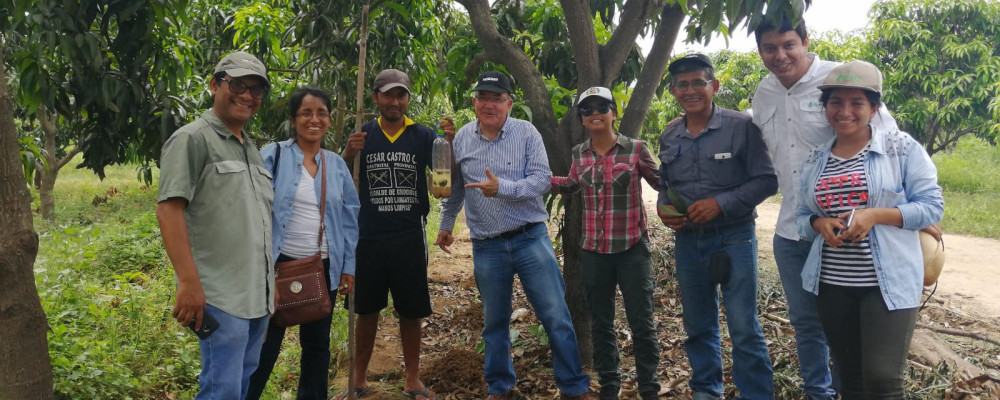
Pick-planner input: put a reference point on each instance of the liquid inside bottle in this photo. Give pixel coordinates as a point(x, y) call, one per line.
point(441, 167)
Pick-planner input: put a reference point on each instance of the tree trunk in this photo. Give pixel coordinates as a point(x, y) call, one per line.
point(47, 175)
point(25, 372)
point(596, 65)
point(652, 71)
point(576, 294)
point(339, 136)
point(46, 184)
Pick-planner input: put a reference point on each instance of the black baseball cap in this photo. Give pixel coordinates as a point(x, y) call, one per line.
point(693, 58)
point(492, 81)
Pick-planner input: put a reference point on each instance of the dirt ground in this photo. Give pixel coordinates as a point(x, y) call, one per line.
point(970, 280)
point(968, 298)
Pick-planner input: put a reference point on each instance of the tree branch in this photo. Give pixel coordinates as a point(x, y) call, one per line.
point(580, 25)
point(67, 158)
point(474, 65)
point(502, 50)
point(652, 71)
point(631, 22)
point(48, 125)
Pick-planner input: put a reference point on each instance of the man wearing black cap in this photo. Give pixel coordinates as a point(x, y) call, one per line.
point(501, 173)
point(715, 162)
point(214, 213)
point(395, 153)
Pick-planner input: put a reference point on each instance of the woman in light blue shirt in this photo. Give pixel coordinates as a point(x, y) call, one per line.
point(866, 194)
point(296, 223)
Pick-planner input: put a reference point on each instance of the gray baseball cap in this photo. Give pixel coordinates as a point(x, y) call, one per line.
point(855, 74)
point(241, 64)
point(391, 78)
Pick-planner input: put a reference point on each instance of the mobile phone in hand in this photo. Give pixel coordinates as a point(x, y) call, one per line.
point(208, 326)
point(847, 224)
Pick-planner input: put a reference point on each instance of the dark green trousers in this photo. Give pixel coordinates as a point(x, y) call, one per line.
point(632, 272)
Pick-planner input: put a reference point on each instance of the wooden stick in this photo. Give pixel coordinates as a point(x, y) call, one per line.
point(776, 318)
point(956, 332)
point(362, 52)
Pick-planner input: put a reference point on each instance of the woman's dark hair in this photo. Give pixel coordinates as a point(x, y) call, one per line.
point(873, 97)
point(295, 101)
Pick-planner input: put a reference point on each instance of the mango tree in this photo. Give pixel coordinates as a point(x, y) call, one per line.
point(942, 67)
point(600, 61)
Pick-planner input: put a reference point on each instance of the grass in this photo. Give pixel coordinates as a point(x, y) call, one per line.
point(968, 174)
point(107, 288)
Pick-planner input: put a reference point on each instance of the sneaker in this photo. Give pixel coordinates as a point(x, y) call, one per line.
point(609, 393)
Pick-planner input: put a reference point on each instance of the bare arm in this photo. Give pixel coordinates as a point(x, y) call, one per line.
point(190, 301)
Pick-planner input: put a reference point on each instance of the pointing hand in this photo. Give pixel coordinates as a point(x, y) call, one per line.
point(489, 187)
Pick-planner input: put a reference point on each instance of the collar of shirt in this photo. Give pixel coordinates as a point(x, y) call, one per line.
point(392, 138)
point(814, 68)
point(503, 128)
point(714, 122)
point(218, 126)
point(620, 142)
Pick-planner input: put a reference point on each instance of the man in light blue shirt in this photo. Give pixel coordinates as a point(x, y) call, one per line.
point(504, 162)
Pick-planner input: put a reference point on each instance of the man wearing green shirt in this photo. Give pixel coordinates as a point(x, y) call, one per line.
point(214, 211)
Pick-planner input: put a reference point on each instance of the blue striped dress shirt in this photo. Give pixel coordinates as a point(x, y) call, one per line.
point(517, 158)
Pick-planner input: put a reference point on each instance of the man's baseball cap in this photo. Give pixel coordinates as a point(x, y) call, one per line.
point(391, 78)
point(492, 81)
point(693, 58)
point(596, 91)
point(856, 74)
point(241, 64)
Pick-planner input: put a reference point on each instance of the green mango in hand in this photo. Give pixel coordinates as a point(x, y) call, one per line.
point(669, 211)
point(677, 201)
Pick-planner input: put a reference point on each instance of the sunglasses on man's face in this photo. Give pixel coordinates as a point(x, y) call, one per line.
point(586, 109)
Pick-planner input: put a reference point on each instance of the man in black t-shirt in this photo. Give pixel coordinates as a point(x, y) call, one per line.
point(395, 153)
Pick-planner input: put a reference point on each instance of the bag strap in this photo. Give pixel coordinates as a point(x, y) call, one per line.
point(277, 157)
point(322, 201)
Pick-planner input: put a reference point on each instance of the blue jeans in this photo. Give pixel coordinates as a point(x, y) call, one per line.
point(810, 342)
point(229, 356)
point(529, 255)
point(751, 370)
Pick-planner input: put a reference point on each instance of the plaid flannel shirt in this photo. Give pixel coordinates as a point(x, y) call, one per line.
point(614, 218)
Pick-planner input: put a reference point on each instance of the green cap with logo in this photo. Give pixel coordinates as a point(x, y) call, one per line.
point(240, 64)
point(856, 74)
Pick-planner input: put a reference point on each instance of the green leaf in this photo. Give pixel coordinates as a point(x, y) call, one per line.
point(711, 16)
point(669, 211)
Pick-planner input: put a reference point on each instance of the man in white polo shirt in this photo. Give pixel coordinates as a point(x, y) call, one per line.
point(787, 109)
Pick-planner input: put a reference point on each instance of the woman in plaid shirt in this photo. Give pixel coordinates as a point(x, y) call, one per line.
point(608, 168)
